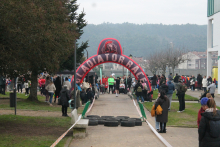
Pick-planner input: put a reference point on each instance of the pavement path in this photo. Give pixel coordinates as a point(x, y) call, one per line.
point(139, 136)
point(197, 94)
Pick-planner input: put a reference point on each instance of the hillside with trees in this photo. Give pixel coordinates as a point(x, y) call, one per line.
point(141, 40)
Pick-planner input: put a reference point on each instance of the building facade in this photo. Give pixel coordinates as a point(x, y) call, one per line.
point(213, 34)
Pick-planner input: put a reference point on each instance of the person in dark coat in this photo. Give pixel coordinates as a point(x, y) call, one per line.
point(138, 91)
point(163, 87)
point(129, 80)
point(58, 86)
point(199, 81)
point(164, 102)
point(82, 96)
point(154, 82)
point(162, 80)
point(209, 134)
point(209, 80)
point(89, 95)
point(64, 98)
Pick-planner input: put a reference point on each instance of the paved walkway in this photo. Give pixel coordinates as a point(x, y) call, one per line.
point(139, 136)
point(197, 94)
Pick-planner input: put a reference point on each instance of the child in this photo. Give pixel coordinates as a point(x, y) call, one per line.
point(26, 86)
point(202, 109)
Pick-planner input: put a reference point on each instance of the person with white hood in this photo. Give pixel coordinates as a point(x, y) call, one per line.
point(204, 83)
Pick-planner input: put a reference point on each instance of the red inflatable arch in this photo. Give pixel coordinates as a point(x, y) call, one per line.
point(110, 50)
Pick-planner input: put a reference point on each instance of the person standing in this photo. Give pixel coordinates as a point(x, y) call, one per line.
point(111, 83)
point(154, 82)
point(181, 89)
point(170, 77)
point(129, 80)
point(26, 86)
point(64, 100)
point(204, 84)
point(162, 80)
point(209, 80)
point(117, 86)
point(58, 86)
point(51, 89)
point(66, 82)
point(47, 82)
point(209, 134)
point(19, 83)
point(138, 91)
point(202, 109)
point(163, 101)
point(176, 79)
point(192, 83)
point(169, 94)
point(199, 81)
point(211, 89)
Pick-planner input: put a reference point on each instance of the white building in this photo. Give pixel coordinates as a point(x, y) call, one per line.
point(213, 34)
point(197, 60)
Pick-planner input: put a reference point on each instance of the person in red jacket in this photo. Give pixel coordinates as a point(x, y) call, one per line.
point(202, 109)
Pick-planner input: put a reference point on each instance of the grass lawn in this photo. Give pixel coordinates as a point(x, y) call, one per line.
point(187, 97)
point(24, 104)
point(32, 131)
point(188, 118)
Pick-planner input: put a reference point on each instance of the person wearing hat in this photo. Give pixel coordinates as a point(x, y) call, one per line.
point(202, 109)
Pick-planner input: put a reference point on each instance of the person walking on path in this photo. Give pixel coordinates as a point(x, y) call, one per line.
point(51, 89)
point(58, 86)
point(20, 83)
point(209, 134)
point(169, 94)
point(67, 83)
point(64, 100)
point(211, 89)
point(129, 80)
point(181, 89)
point(204, 84)
point(111, 83)
point(117, 86)
point(202, 109)
point(163, 101)
point(138, 91)
point(199, 81)
point(154, 82)
point(26, 86)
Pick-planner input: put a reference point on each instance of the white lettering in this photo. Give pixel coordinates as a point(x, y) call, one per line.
point(128, 65)
point(106, 55)
point(100, 59)
point(114, 57)
point(90, 63)
point(84, 68)
point(135, 69)
point(121, 59)
point(94, 60)
point(140, 73)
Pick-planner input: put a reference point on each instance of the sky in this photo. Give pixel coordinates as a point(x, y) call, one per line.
point(145, 11)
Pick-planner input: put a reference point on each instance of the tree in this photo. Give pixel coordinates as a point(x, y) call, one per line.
point(175, 57)
point(39, 36)
point(80, 22)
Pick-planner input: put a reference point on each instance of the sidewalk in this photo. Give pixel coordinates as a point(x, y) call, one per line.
point(197, 94)
point(140, 136)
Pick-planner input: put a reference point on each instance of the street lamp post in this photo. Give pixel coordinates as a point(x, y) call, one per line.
point(75, 76)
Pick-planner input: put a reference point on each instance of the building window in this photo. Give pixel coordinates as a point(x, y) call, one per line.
point(189, 64)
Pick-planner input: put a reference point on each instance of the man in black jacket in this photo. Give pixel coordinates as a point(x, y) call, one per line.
point(129, 80)
point(138, 91)
point(199, 81)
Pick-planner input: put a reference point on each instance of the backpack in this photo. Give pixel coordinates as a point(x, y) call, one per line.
point(183, 88)
point(139, 89)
